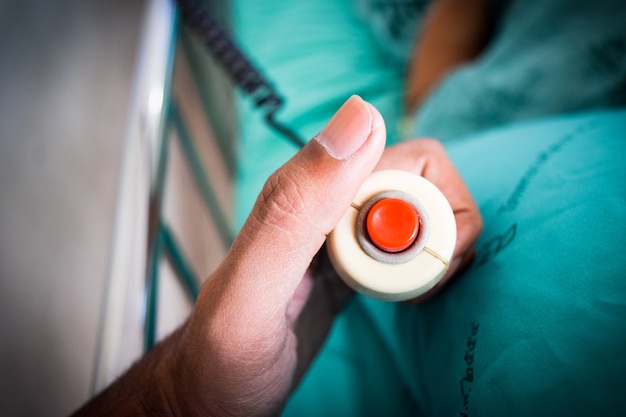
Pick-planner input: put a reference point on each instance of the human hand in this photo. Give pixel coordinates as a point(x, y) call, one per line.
point(454, 32)
point(244, 347)
point(428, 158)
point(263, 314)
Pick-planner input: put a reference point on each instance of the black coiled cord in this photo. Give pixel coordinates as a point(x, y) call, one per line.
point(241, 71)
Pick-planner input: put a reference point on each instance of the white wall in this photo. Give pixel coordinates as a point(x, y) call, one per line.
point(66, 68)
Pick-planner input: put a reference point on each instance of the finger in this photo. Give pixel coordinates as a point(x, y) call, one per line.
point(328, 296)
point(441, 171)
point(299, 205)
point(427, 157)
point(336, 293)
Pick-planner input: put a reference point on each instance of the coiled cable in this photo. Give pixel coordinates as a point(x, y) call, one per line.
point(236, 65)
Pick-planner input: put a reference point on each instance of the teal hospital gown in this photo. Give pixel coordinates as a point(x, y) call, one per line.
point(537, 127)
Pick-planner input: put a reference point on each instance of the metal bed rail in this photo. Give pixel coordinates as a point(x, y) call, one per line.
point(142, 236)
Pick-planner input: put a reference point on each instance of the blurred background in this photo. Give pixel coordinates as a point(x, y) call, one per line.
point(65, 80)
point(68, 69)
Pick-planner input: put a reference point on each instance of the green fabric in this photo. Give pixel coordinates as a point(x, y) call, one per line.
point(546, 57)
point(539, 320)
point(537, 326)
point(319, 54)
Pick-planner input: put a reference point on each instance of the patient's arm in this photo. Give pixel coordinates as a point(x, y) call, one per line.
point(455, 31)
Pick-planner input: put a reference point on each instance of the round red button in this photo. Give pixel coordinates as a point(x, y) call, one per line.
point(392, 224)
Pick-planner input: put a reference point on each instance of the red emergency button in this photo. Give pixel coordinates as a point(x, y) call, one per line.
point(392, 224)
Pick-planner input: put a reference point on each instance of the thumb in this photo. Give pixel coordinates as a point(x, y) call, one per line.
point(299, 205)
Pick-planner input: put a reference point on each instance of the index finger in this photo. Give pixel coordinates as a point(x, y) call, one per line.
point(428, 158)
